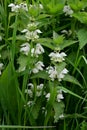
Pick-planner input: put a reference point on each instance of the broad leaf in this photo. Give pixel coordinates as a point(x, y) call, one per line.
point(82, 36)
point(58, 109)
point(71, 79)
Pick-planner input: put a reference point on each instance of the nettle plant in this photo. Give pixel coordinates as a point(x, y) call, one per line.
point(34, 56)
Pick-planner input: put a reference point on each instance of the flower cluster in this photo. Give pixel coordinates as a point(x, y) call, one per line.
point(37, 50)
point(25, 48)
point(67, 10)
point(16, 7)
point(31, 33)
point(57, 57)
point(32, 91)
point(38, 67)
point(54, 74)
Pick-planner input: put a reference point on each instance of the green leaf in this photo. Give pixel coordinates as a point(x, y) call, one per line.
point(58, 109)
point(66, 43)
point(84, 58)
point(22, 61)
point(82, 36)
point(60, 67)
point(70, 92)
point(8, 92)
point(35, 109)
point(72, 79)
point(41, 74)
point(81, 16)
point(58, 39)
point(47, 42)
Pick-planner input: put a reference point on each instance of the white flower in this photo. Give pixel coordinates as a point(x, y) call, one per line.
point(52, 72)
point(1, 66)
point(31, 35)
point(67, 10)
point(25, 48)
point(62, 74)
point(57, 57)
point(14, 8)
point(31, 86)
point(39, 90)
point(48, 96)
point(64, 31)
point(23, 6)
point(38, 67)
point(61, 116)
point(24, 30)
point(59, 96)
point(40, 6)
point(40, 87)
point(37, 51)
point(29, 92)
point(38, 31)
point(30, 103)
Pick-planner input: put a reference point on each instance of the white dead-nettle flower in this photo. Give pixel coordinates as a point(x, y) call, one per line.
point(30, 85)
point(40, 87)
point(68, 33)
point(25, 48)
point(30, 103)
point(64, 32)
point(37, 50)
point(14, 8)
point(62, 74)
point(57, 57)
point(24, 31)
point(40, 6)
point(31, 35)
point(67, 10)
point(59, 96)
point(1, 66)
point(38, 67)
point(52, 72)
point(29, 92)
point(48, 96)
point(61, 116)
point(23, 6)
point(39, 90)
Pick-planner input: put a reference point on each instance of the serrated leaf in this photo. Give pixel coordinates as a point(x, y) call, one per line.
point(22, 61)
point(41, 74)
point(81, 16)
point(47, 42)
point(58, 39)
point(60, 67)
point(71, 79)
point(58, 109)
point(82, 36)
point(66, 43)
